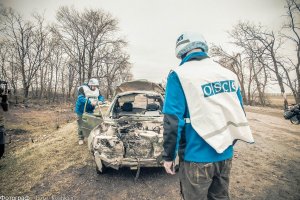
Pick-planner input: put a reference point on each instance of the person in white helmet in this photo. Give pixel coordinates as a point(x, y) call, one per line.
point(203, 118)
point(84, 91)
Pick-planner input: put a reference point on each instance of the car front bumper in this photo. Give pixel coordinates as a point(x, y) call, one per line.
point(133, 163)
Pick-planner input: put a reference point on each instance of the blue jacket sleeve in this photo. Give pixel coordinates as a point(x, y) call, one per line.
point(80, 104)
point(174, 113)
point(239, 94)
point(101, 98)
point(81, 99)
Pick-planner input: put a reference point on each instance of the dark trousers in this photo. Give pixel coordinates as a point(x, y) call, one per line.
point(2, 140)
point(201, 181)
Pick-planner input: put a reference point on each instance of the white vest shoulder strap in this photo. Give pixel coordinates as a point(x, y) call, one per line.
point(90, 93)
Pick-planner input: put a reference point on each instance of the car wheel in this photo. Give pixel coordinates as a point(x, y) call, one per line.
point(1, 150)
point(177, 168)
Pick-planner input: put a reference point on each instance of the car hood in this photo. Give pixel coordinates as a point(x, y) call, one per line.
point(139, 85)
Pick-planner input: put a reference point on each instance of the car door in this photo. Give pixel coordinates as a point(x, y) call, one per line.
point(90, 120)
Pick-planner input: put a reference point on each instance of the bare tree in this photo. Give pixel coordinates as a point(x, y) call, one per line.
point(56, 61)
point(28, 42)
point(234, 62)
point(89, 38)
point(264, 46)
point(115, 69)
point(3, 59)
point(45, 61)
point(85, 37)
point(73, 37)
point(293, 35)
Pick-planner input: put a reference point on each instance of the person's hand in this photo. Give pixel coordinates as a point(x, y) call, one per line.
point(94, 103)
point(169, 167)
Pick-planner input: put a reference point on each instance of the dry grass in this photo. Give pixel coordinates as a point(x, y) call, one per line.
point(277, 101)
point(26, 163)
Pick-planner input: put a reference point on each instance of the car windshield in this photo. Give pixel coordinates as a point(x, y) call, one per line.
point(138, 105)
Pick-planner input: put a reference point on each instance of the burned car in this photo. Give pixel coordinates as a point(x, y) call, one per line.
point(130, 133)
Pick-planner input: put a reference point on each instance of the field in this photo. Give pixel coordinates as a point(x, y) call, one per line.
point(277, 101)
point(44, 160)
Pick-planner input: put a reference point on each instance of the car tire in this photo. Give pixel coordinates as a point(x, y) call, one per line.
point(176, 168)
point(2, 147)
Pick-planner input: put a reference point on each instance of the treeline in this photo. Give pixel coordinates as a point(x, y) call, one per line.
point(262, 60)
point(49, 61)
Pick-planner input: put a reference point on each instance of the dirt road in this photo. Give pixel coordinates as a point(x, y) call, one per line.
point(58, 167)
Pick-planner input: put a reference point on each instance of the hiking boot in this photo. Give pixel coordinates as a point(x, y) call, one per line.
point(80, 142)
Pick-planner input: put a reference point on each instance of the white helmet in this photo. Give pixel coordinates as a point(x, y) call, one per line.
point(93, 82)
point(189, 41)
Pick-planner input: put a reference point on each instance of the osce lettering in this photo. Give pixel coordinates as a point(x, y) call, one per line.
point(218, 87)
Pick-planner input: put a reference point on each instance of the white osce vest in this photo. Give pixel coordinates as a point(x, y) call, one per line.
point(214, 107)
point(90, 93)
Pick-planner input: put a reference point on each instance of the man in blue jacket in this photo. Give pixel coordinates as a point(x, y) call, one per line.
point(203, 117)
point(83, 92)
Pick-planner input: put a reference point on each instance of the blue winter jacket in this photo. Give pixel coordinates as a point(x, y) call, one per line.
point(81, 99)
point(180, 137)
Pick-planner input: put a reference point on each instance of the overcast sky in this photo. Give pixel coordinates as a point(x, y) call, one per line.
point(151, 27)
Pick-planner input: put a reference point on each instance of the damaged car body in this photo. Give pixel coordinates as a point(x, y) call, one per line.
point(130, 134)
